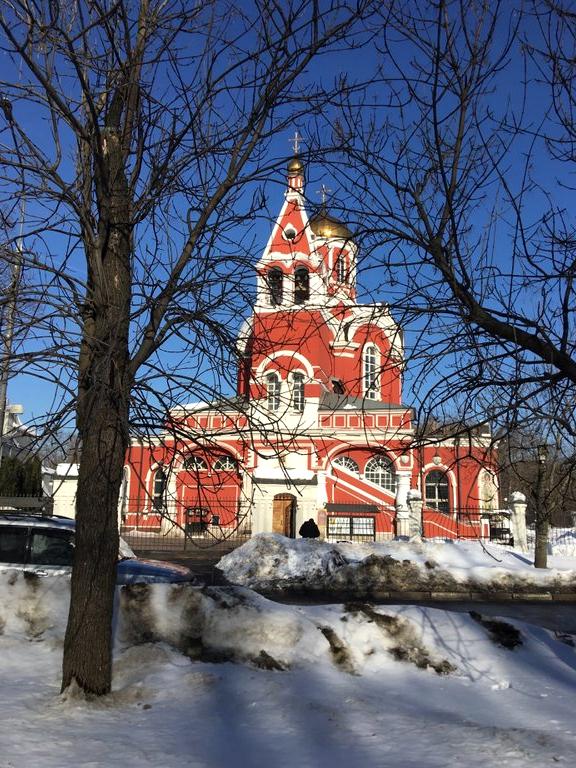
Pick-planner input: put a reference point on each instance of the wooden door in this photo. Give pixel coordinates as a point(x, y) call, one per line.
point(283, 514)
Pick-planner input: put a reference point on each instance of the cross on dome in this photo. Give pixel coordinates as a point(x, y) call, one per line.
point(324, 192)
point(296, 141)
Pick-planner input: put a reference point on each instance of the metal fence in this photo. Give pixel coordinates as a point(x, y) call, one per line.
point(462, 524)
point(185, 530)
point(561, 541)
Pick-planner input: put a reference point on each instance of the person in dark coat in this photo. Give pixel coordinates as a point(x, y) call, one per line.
point(309, 529)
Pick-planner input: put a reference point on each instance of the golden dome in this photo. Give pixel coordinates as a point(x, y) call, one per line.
point(324, 225)
point(295, 166)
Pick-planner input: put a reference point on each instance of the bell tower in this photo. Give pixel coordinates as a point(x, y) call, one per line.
point(307, 327)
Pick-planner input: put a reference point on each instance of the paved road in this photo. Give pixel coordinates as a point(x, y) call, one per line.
point(559, 617)
point(554, 615)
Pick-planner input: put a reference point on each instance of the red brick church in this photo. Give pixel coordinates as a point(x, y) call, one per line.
point(318, 427)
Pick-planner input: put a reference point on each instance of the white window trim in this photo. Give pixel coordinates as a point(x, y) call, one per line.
point(371, 378)
point(273, 391)
point(298, 380)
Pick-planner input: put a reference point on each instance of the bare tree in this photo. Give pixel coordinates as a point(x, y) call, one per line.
point(464, 140)
point(140, 127)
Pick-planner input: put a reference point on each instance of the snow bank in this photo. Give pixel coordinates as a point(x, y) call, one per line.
point(270, 558)
point(336, 685)
point(217, 624)
point(273, 562)
point(32, 607)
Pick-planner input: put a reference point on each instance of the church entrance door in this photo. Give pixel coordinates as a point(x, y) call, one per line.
point(284, 515)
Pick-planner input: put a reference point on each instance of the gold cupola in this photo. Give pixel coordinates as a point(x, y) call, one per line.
point(324, 225)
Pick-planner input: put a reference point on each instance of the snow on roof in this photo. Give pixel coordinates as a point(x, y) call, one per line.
point(67, 470)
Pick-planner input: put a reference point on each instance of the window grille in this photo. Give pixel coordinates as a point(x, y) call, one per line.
point(379, 470)
point(437, 491)
point(225, 464)
point(354, 528)
point(298, 391)
point(273, 391)
point(348, 463)
point(194, 463)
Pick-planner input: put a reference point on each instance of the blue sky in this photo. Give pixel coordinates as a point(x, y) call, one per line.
point(39, 397)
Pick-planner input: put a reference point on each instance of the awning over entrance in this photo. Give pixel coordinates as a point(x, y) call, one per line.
point(352, 509)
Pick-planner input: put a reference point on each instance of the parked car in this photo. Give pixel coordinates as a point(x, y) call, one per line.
point(45, 544)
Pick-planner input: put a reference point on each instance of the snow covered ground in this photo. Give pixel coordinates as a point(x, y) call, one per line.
point(223, 678)
point(270, 561)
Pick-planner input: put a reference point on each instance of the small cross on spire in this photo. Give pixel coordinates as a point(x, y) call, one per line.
point(296, 140)
point(324, 191)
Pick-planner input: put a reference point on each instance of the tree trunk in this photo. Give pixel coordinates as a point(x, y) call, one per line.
point(88, 642)
point(541, 544)
point(102, 418)
point(541, 523)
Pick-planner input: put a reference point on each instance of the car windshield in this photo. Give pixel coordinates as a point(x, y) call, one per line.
point(125, 551)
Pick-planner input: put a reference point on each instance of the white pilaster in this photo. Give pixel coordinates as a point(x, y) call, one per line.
point(402, 511)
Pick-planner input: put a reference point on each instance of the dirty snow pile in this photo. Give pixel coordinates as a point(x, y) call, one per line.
point(219, 677)
point(272, 562)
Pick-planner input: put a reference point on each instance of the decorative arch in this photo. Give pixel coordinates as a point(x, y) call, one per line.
point(392, 455)
point(384, 323)
point(299, 360)
point(452, 481)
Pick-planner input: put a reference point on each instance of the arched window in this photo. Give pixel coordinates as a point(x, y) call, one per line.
point(275, 280)
point(298, 391)
point(194, 463)
point(158, 488)
point(273, 391)
point(436, 489)
point(379, 470)
point(225, 464)
point(341, 271)
point(370, 372)
point(348, 463)
point(301, 285)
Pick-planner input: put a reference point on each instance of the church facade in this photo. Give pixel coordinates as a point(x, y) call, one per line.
point(318, 428)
